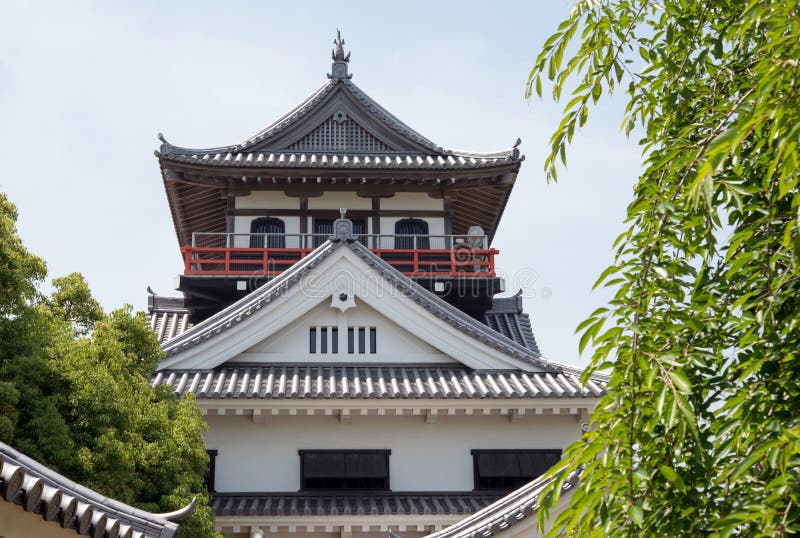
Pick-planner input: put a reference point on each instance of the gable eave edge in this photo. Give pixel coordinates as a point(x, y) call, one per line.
point(214, 341)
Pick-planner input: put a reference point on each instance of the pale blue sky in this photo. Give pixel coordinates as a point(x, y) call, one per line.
point(86, 86)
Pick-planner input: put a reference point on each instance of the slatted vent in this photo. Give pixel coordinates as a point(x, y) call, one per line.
point(340, 135)
point(324, 339)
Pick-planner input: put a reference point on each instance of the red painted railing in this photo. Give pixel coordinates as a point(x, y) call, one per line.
point(222, 261)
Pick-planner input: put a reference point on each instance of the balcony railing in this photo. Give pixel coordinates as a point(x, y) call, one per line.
point(271, 254)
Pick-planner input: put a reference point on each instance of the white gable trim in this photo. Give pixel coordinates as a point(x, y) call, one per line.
point(340, 270)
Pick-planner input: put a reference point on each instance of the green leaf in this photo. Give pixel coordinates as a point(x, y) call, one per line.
point(680, 381)
point(636, 514)
point(672, 477)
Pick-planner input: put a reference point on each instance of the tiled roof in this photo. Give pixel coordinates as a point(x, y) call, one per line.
point(293, 504)
point(507, 318)
point(168, 316)
point(504, 513)
point(258, 151)
point(249, 305)
point(374, 382)
point(168, 325)
point(291, 159)
point(63, 502)
point(171, 320)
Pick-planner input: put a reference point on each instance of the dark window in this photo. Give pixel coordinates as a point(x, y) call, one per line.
point(208, 477)
point(361, 339)
point(411, 227)
point(373, 340)
point(323, 340)
point(334, 340)
point(344, 469)
point(507, 470)
point(351, 340)
point(324, 228)
point(312, 340)
point(267, 225)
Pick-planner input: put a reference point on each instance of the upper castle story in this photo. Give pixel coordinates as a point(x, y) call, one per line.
point(245, 213)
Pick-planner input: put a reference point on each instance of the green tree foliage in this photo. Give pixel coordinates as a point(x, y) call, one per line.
point(699, 434)
point(75, 392)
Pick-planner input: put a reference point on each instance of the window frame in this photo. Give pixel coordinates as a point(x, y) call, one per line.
point(406, 241)
point(274, 239)
point(344, 452)
point(475, 452)
point(212, 471)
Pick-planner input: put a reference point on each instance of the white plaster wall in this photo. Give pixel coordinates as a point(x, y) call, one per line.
point(425, 457)
point(336, 200)
point(267, 200)
point(412, 200)
point(394, 344)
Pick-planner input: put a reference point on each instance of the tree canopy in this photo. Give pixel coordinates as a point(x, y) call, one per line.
point(75, 392)
point(699, 434)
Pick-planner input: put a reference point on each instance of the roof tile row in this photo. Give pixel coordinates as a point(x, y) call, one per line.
point(374, 382)
point(293, 504)
point(353, 160)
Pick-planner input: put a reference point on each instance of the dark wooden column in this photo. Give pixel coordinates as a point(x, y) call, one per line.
point(376, 215)
point(230, 213)
point(304, 214)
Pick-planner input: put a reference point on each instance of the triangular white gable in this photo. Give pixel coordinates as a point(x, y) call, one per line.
point(342, 278)
point(356, 334)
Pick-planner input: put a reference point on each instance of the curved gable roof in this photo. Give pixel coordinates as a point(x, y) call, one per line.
point(249, 306)
point(72, 506)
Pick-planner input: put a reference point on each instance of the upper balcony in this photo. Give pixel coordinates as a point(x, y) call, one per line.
point(236, 254)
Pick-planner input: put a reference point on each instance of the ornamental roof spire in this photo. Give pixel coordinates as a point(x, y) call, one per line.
point(340, 60)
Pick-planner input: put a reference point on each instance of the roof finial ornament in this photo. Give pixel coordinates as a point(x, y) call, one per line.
point(340, 60)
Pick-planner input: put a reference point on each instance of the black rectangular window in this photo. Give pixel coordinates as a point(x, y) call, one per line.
point(312, 340)
point(344, 470)
point(334, 340)
point(351, 340)
point(361, 339)
point(507, 470)
point(323, 340)
point(373, 340)
point(208, 477)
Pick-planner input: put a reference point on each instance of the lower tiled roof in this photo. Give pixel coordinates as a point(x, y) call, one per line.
point(506, 512)
point(168, 325)
point(55, 498)
point(301, 504)
point(375, 382)
point(506, 317)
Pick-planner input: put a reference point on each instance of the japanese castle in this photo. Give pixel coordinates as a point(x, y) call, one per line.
point(340, 327)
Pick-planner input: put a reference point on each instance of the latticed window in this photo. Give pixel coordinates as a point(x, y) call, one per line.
point(344, 469)
point(411, 227)
point(507, 470)
point(340, 133)
point(273, 231)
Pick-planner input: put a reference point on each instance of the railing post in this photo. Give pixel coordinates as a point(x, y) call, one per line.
point(194, 239)
point(187, 259)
